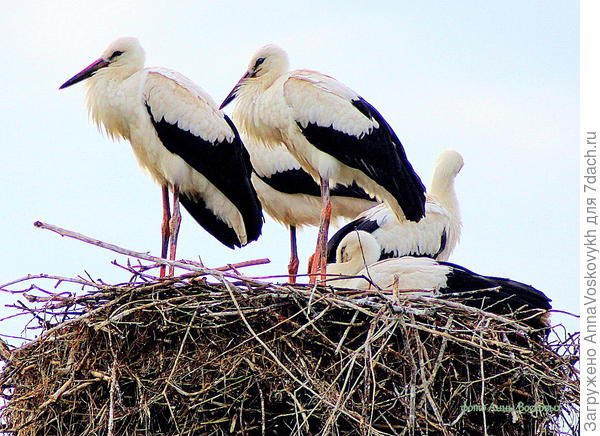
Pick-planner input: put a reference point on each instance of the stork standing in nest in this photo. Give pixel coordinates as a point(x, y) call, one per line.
point(335, 134)
point(181, 138)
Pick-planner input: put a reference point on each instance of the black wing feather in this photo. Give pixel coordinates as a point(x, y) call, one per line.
point(512, 298)
point(350, 191)
point(293, 181)
point(443, 242)
point(361, 223)
point(226, 165)
point(379, 154)
point(298, 181)
point(209, 221)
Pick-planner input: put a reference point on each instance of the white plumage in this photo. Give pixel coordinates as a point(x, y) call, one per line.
point(434, 236)
point(334, 134)
point(298, 204)
point(176, 132)
point(358, 267)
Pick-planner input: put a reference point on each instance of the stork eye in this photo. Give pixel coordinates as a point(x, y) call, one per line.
point(258, 63)
point(115, 55)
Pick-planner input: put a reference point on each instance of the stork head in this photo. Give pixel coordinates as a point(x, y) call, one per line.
point(357, 250)
point(124, 56)
point(267, 64)
point(448, 164)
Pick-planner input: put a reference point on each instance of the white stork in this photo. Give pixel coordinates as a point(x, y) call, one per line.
point(336, 135)
point(181, 138)
point(291, 196)
point(357, 262)
point(434, 236)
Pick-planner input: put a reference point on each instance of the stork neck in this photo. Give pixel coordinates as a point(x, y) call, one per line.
point(442, 188)
point(109, 103)
point(350, 268)
point(260, 113)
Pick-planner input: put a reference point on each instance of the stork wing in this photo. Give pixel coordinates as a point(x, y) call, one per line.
point(189, 125)
point(342, 124)
point(497, 295)
point(276, 167)
point(428, 237)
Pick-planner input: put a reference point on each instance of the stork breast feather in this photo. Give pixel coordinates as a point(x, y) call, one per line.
point(326, 105)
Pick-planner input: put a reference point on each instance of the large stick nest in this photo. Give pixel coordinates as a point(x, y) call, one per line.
point(191, 356)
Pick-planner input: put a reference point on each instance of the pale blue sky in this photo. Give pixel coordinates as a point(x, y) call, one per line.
point(497, 81)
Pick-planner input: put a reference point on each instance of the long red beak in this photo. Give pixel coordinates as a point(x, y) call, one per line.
point(85, 73)
point(233, 93)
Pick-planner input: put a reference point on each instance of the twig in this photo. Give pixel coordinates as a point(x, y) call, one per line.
point(346, 331)
point(175, 363)
point(56, 395)
point(187, 265)
point(111, 395)
point(234, 266)
point(5, 353)
point(59, 280)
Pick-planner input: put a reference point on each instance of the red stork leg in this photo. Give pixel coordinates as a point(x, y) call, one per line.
point(294, 262)
point(324, 238)
point(174, 225)
point(319, 261)
point(165, 233)
point(311, 261)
